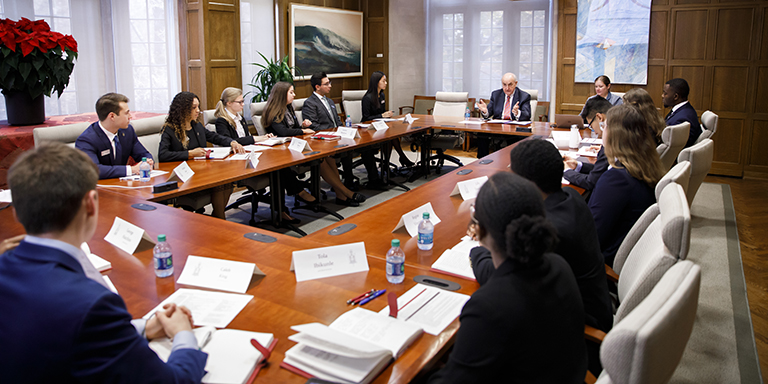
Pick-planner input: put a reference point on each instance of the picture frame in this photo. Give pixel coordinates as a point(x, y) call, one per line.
point(324, 39)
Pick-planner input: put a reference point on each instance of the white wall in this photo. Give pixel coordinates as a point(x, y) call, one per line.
point(407, 52)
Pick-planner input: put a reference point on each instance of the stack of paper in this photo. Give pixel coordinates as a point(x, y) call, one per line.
point(214, 309)
point(231, 357)
point(355, 348)
point(455, 261)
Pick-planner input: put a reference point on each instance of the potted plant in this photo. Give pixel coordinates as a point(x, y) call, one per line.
point(269, 75)
point(34, 62)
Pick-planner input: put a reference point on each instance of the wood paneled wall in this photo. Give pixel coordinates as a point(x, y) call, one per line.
point(375, 41)
point(721, 48)
point(210, 59)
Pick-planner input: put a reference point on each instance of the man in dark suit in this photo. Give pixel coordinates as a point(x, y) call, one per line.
point(60, 322)
point(539, 161)
point(675, 96)
point(321, 111)
point(507, 103)
point(585, 175)
point(110, 141)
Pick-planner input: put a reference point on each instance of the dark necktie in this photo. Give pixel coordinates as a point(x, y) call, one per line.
point(118, 150)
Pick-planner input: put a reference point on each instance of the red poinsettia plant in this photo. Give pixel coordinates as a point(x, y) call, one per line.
point(33, 58)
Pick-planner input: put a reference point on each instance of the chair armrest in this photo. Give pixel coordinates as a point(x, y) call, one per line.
point(403, 107)
point(593, 334)
point(611, 274)
point(429, 111)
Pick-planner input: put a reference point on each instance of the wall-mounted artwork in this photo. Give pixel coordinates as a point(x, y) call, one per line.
point(326, 39)
point(612, 40)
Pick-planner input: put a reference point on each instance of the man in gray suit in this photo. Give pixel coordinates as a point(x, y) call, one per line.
point(321, 111)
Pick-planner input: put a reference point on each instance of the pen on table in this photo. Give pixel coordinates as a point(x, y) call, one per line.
point(375, 295)
point(350, 301)
point(361, 298)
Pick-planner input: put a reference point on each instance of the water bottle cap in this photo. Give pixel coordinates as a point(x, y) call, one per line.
point(160, 238)
point(143, 159)
point(425, 215)
point(395, 243)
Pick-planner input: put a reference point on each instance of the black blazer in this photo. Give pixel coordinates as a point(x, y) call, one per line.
point(579, 246)
point(223, 128)
point(683, 114)
point(372, 109)
point(522, 326)
point(589, 173)
point(315, 111)
point(616, 203)
point(290, 126)
point(172, 150)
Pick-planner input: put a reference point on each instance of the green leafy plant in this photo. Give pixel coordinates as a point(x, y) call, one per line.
point(269, 75)
point(34, 59)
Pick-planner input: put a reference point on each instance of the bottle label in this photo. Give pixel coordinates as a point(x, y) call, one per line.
point(163, 263)
point(395, 269)
point(425, 238)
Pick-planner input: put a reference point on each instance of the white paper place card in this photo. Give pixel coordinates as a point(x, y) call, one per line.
point(348, 133)
point(253, 160)
point(379, 125)
point(412, 219)
point(181, 173)
point(299, 145)
point(563, 181)
point(128, 237)
point(469, 188)
point(224, 275)
point(110, 285)
point(5, 196)
point(338, 260)
point(408, 119)
point(215, 309)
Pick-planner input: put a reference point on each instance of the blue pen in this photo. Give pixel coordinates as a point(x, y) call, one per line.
point(369, 298)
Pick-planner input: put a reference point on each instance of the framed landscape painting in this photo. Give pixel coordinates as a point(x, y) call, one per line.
point(326, 39)
point(612, 40)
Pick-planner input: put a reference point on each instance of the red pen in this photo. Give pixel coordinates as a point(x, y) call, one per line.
point(373, 292)
point(354, 299)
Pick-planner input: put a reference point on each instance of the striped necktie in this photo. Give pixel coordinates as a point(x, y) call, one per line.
point(507, 109)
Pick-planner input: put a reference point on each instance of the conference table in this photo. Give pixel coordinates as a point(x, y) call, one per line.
point(279, 301)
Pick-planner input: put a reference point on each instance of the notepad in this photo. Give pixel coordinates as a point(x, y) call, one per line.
point(355, 348)
point(231, 357)
point(455, 261)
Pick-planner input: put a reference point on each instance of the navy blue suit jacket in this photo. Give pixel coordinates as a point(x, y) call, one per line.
point(616, 203)
point(589, 173)
point(522, 326)
point(95, 144)
point(683, 114)
point(60, 326)
point(498, 98)
point(315, 111)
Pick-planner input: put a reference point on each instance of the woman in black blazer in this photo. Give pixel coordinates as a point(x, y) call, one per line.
point(374, 106)
point(526, 323)
point(280, 119)
point(184, 138)
point(231, 123)
point(626, 189)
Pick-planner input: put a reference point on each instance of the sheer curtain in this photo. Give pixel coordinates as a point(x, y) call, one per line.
point(472, 43)
point(257, 35)
point(125, 46)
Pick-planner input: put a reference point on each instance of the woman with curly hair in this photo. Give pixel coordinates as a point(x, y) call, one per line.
point(640, 99)
point(184, 138)
point(624, 191)
point(527, 321)
point(280, 119)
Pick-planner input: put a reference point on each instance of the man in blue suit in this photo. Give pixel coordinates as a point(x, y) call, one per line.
point(110, 141)
point(675, 96)
point(507, 103)
point(60, 322)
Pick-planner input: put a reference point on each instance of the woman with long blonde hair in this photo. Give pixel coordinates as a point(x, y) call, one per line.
point(640, 99)
point(626, 190)
point(280, 119)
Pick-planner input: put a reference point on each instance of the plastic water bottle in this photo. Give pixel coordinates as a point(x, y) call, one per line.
point(163, 257)
point(395, 263)
point(144, 170)
point(466, 114)
point(348, 122)
point(426, 233)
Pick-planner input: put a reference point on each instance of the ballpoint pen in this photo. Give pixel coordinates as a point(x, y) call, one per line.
point(356, 298)
point(369, 298)
point(363, 297)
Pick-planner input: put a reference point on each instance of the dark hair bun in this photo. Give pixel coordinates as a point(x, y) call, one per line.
point(528, 238)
